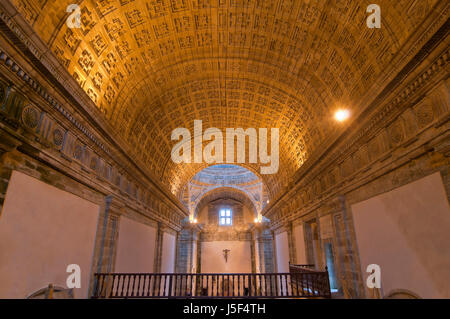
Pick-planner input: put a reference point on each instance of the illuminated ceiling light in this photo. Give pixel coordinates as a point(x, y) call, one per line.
point(342, 115)
point(192, 220)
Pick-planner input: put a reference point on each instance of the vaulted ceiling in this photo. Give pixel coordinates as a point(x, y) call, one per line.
point(220, 177)
point(154, 65)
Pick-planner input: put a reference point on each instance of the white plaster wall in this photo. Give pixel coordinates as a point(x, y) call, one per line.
point(135, 247)
point(239, 257)
point(168, 253)
point(300, 248)
point(282, 250)
point(42, 230)
point(406, 232)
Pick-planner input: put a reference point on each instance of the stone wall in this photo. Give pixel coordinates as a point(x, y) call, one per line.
point(253, 245)
point(404, 140)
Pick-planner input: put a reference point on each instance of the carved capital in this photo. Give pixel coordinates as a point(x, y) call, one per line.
point(114, 205)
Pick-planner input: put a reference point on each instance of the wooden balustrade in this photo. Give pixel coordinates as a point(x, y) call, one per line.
point(296, 284)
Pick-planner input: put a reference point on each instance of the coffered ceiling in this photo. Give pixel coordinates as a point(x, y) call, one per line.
point(154, 65)
point(220, 177)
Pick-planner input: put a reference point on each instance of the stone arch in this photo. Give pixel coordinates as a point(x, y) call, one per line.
point(225, 192)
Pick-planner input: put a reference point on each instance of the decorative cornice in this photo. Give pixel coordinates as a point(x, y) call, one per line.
point(323, 201)
point(39, 89)
point(44, 129)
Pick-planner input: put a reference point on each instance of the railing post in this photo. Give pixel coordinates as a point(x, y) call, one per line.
point(170, 285)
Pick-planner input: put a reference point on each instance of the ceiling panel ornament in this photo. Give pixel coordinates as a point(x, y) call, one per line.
point(218, 178)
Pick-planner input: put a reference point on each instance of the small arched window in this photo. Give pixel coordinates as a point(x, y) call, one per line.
point(225, 217)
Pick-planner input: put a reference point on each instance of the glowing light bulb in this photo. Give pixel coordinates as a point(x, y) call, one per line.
point(342, 115)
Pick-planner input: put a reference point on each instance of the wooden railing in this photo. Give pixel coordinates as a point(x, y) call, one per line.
point(307, 284)
point(296, 268)
point(305, 277)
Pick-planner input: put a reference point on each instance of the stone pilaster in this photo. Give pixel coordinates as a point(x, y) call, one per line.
point(5, 176)
point(291, 243)
point(320, 251)
point(7, 145)
point(106, 240)
point(158, 248)
point(352, 274)
point(264, 243)
point(186, 246)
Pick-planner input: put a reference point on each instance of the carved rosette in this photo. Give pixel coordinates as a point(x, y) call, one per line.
point(30, 117)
